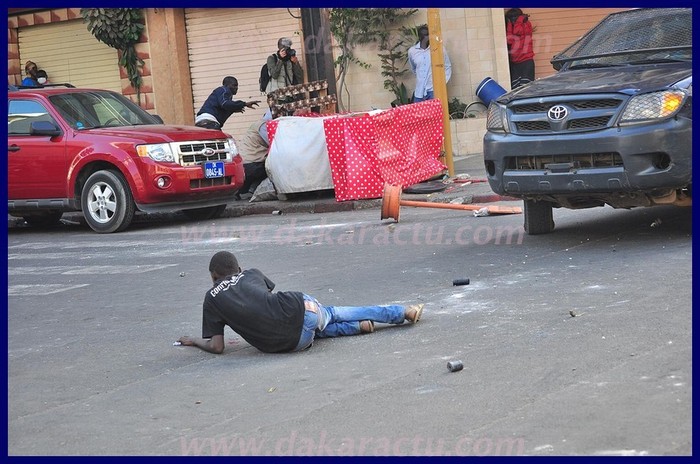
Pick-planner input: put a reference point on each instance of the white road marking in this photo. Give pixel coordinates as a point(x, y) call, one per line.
point(40, 289)
point(87, 270)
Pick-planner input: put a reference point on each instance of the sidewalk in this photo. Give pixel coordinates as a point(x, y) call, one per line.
point(470, 166)
point(466, 167)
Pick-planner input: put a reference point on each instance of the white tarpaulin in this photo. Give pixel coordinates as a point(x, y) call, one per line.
point(298, 157)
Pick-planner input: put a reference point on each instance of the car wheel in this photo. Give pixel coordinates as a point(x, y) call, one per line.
point(47, 219)
point(202, 214)
point(107, 203)
point(538, 217)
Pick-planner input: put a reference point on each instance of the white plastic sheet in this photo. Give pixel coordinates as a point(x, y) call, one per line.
point(298, 157)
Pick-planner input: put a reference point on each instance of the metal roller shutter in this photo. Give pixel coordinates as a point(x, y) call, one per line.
point(236, 42)
point(68, 52)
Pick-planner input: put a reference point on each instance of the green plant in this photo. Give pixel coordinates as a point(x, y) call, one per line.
point(460, 110)
point(394, 60)
point(359, 26)
point(455, 108)
point(119, 28)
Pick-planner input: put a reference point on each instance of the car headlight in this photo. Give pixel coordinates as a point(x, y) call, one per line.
point(653, 105)
point(496, 118)
point(158, 152)
point(233, 149)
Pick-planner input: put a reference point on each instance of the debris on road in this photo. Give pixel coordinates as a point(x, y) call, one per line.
point(460, 282)
point(481, 212)
point(454, 366)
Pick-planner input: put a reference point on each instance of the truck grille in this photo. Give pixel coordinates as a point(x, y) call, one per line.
point(583, 113)
point(582, 161)
point(193, 153)
point(576, 104)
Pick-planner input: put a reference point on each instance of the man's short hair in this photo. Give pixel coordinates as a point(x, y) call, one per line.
point(224, 264)
point(422, 30)
point(228, 80)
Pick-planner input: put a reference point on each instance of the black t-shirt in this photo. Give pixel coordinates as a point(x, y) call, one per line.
point(269, 321)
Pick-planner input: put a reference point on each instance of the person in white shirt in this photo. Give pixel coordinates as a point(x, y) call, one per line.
point(419, 60)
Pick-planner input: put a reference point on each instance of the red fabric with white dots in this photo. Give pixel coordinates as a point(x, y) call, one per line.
point(400, 146)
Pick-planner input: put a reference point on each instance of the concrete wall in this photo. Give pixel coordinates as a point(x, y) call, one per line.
point(475, 42)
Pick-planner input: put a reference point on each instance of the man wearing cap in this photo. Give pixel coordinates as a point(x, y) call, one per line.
point(284, 67)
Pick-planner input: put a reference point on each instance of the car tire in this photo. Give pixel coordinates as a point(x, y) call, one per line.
point(107, 202)
point(538, 217)
point(202, 214)
point(43, 220)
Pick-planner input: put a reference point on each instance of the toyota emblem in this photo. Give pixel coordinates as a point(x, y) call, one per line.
point(557, 113)
point(208, 152)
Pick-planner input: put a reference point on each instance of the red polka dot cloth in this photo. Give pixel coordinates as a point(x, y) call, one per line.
point(400, 146)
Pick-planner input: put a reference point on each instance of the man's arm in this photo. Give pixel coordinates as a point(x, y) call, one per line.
point(411, 60)
point(214, 344)
point(297, 70)
point(274, 65)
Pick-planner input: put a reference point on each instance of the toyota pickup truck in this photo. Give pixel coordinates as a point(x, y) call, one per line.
point(613, 125)
point(95, 151)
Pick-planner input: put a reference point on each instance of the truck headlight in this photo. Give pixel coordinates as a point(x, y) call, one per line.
point(653, 105)
point(496, 118)
point(233, 149)
point(157, 152)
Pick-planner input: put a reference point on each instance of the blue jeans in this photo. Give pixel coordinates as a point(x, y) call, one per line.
point(429, 95)
point(334, 321)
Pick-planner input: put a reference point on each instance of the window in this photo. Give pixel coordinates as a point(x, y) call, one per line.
point(22, 113)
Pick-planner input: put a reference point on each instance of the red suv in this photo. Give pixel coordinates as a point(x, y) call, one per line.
point(97, 152)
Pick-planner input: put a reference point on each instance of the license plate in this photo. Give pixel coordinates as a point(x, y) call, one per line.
point(213, 169)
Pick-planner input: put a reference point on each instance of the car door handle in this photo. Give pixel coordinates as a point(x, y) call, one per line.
point(13, 148)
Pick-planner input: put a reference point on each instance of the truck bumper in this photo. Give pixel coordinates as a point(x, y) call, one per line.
point(653, 157)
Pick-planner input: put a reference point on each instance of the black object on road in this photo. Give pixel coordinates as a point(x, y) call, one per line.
point(460, 282)
point(455, 366)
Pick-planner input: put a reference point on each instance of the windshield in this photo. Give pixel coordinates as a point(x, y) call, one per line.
point(93, 109)
point(634, 36)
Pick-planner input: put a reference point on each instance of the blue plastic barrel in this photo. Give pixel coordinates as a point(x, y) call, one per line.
point(489, 90)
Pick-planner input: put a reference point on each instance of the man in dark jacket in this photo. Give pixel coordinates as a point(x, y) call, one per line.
point(220, 105)
point(276, 322)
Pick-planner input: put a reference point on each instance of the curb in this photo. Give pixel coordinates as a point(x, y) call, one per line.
point(328, 205)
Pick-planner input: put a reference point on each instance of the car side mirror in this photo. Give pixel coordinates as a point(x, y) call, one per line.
point(44, 128)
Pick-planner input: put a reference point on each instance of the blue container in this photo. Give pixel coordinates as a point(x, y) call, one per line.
point(489, 90)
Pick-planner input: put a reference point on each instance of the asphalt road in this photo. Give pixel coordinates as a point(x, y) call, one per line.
point(573, 343)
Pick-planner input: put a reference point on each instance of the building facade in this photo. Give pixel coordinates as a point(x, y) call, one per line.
point(188, 51)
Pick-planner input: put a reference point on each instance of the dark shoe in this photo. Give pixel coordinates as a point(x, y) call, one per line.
point(414, 312)
point(366, 327)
